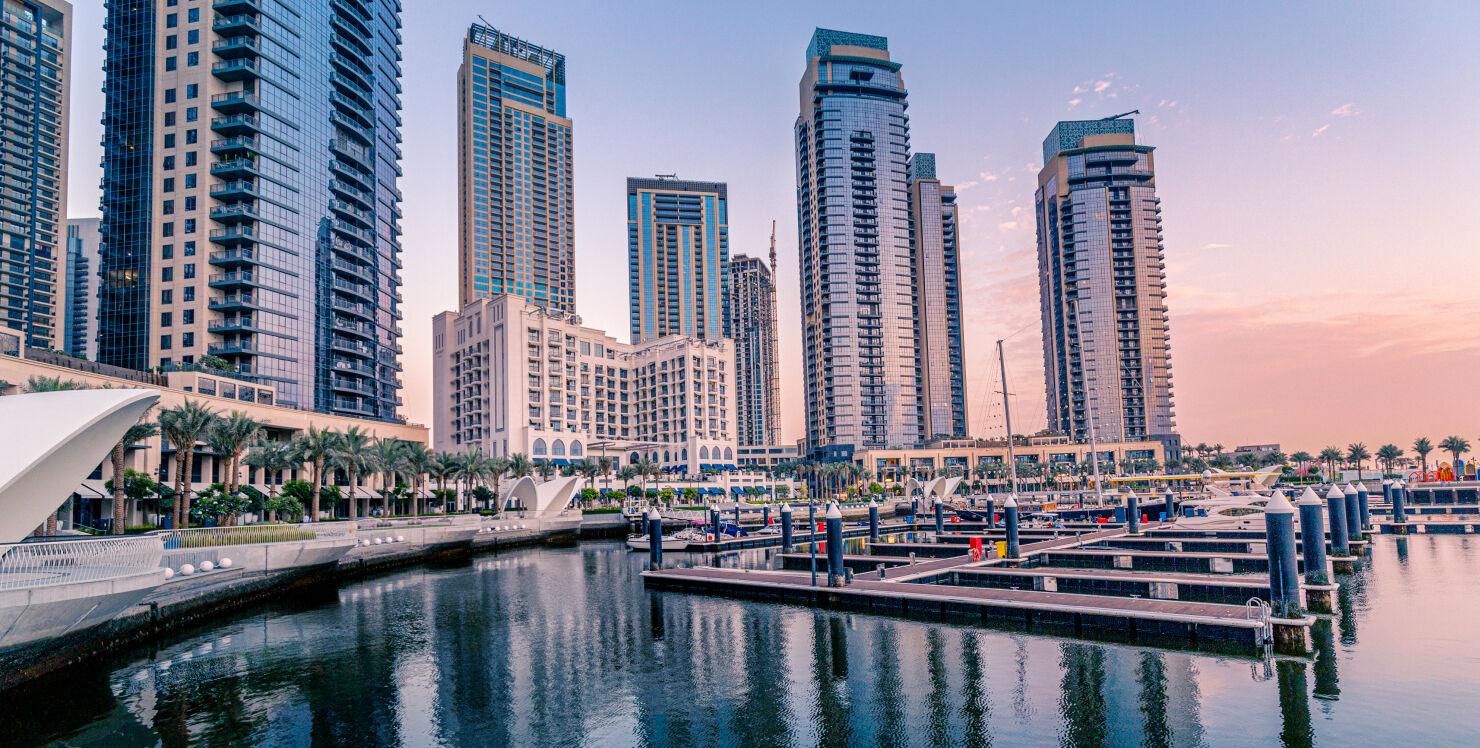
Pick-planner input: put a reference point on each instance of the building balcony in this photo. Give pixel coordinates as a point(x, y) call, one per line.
point(363, 311)
point(236, 191)
point(237, 124)
point(354, 386)
point(236, 168)
point(240, 145)
point(361, 291)
point(234, 258)
point(343, 209)
point(235, 7)
point(364, 273)
point(235, 302)
point(233, 325)
point(346, 366)
point(234, 279)
point(352, 347)
point(237, 25)
point(236, 47)
point(350, 193)
point(354, 405)
point(236, 102)
point(240, 69)
point(232, 214)
point(234, 235)
point(353, 327)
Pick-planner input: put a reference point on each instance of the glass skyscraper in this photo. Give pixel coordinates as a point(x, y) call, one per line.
point(935, 236)
point(80, 309)
point(678, 259)
point(852, 139)
point(35, 46)
point(250, 209)
point(517, 231)
point(757, 372)
point(1102, 285)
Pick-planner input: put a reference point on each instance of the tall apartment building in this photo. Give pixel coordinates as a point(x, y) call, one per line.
point(250, 209)
point(512, 377)
point(852, 140)
point(937, 277)
point(757, 366)
point(1102, 284)
point(80, 305)
point(678, 258)
point(517, 228)
point(36, 49)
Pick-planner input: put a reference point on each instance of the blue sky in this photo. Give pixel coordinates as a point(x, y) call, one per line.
point(1312, 163)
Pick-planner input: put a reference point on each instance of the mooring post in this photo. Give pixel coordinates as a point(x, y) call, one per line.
point(1132, 513)
point(991, 513)
point(1387, 490)
point(873, 520)
point(1336, 506)
point(915, 509)
point(786, 527)
point(1011, 510)
point(1364, 512)
point(766, 515)
point(1400, 512)
point(1313, 537)
point(714, 521)
point(655, 539)
point(1284, 579)
point(940, 517)
point(1353, 513)
point(834, 546)
point(1171, 507)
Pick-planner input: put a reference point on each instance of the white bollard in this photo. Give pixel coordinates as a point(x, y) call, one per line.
point(206, 566)
point(400, 538)
point(168, 573)
point(187, 570)
point(225, 563)
point(378, 541)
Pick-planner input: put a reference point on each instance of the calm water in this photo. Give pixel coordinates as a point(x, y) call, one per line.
point(565, 647)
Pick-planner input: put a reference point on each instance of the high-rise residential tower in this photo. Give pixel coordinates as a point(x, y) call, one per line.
point(757, 372)
point(937, 275)
point(515, 170)
point(852, 140)
point(678, 258)
point(36, 49)
point(250, 209)
point(1102, 284)
point(80, 305)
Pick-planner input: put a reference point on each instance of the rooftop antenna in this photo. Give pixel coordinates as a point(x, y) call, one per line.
point(773, 248)
point(666, 176)
point(1126, 114)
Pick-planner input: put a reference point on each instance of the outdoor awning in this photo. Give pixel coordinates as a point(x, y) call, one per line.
point(560, 461)
point(714, 491)
point(736, 489)
point(732, 467)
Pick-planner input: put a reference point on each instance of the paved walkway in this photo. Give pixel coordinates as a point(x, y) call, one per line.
point(937, 565)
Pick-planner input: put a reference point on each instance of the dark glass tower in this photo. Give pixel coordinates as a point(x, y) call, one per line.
point(250, 208)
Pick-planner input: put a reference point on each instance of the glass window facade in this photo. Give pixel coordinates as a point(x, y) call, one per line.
point(678, 259)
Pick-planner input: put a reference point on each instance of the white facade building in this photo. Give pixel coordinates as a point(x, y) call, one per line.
point(511, 377)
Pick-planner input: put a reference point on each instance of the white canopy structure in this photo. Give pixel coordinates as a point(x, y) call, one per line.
point(546, 499)
point(51, 441)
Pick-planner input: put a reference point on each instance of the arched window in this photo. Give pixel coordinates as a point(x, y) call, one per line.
point(538, 449)
point(558, 448)
point(684, 455)
point(729, 453)
point(633, 458)
point(575, 449)
point(704, 453)
point(666, 456)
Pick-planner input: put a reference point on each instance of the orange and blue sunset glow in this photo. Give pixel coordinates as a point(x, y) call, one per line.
point(1313, 163)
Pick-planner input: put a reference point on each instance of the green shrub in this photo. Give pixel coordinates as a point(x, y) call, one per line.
point(138, 529)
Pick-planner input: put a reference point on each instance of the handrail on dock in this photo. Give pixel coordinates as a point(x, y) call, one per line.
point(38, 564)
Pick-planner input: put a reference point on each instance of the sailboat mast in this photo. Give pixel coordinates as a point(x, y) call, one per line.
point(1007, 411)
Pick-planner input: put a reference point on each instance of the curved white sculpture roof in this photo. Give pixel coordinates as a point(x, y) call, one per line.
point(50, 441)
point(546, 499)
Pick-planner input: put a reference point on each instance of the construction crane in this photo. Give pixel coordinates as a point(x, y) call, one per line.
point(1118, 116)
point(773, 249)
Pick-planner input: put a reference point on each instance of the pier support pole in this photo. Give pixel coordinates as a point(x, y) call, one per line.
point(1353, 514)
point(737, 515)
point(1171, 508)
point(873, 520)
point(1340, 528)
point(940, 518)
point(834, 546)
point(915, 509)
point(1363, 512)
point(1011, 510)
point(766, 515)
point(1400, 511)
point(1313, 538)
point(1132, 513)
point(714, 522)
point(1284, 579)
point(991, 513)
point(786, 527)
point(1387, 490)
point(655, 539)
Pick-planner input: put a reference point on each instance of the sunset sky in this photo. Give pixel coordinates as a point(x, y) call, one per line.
point(1313, 161)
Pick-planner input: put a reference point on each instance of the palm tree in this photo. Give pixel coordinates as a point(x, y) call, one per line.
point(588, 469)
point(1357, 452)
point(645, 467)
point(444, 467)
point(1423, 447)
point(136, 433)
point(1455, 445)
point(184, 425)
point(607, 465)
point(1330, 456)
point(270, 457)
point(545, 468)
point(1300, 458)
point(472, 469)
point(354, 454)
point(1389, 454)
point(625, 474)
point(418, 463)
point(227, 438)
point(390, 454)
point(316, 447)
point(497, 466)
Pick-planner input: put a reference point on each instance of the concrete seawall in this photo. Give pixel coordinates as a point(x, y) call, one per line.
point(261, 575)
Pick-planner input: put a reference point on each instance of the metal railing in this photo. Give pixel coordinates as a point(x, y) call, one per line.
point(59, 562)
point(212, 537)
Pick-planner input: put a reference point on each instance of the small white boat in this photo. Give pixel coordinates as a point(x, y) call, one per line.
point(678, 541)
point(1226, 512)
